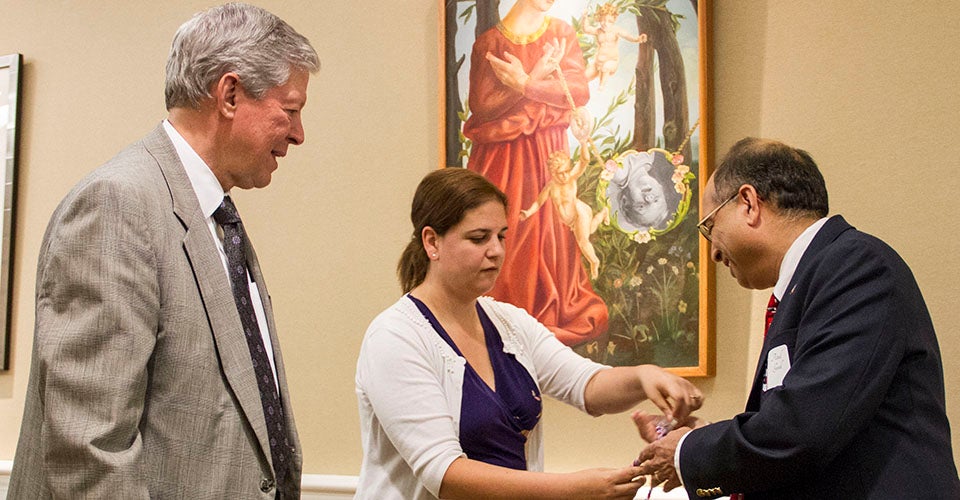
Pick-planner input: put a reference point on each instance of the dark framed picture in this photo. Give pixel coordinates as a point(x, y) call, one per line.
point(10, 78)
point(592, 117)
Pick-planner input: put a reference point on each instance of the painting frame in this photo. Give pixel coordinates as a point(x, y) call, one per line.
point(453, 112)
point(11, 79)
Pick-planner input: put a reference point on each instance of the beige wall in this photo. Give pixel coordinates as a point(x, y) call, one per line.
point(869, 88)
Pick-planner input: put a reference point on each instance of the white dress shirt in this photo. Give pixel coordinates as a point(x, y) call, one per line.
point(210, 194)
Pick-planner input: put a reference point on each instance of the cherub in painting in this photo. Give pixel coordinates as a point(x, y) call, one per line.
point(561, 189)
point(608, 36)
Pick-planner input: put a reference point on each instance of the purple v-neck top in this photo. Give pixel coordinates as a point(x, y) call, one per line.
point(494, 424)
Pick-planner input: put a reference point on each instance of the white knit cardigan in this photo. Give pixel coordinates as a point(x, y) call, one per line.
point(409, 386)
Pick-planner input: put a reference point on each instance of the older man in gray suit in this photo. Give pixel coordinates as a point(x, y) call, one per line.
point(144, 380)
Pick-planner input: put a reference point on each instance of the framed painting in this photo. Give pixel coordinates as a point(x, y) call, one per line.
point(10, 78)
point(592, 117)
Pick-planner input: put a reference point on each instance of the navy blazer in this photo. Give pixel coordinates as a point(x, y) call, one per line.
point(861, 412)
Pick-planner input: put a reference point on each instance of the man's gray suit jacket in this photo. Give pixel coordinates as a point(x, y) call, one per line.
point(141, 383)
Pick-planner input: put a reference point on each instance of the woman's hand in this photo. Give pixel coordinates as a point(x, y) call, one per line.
point(604, 483)
point(467, 478)
point(618, 389)
point(675, 396)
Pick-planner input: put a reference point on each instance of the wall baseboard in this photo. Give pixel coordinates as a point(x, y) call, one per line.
point(313, 486)
point(333, 487)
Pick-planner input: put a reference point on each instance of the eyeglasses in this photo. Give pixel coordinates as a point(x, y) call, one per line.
point(705, 226)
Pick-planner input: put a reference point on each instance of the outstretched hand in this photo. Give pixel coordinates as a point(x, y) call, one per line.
point(655, 427)
point(675, 396)
point(651, 427)
point(656, 460)
point(605, 483)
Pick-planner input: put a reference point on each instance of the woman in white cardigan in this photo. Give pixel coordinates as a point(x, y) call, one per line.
point(449, 382)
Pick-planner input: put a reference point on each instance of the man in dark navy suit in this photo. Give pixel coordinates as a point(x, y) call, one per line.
point(848, 397)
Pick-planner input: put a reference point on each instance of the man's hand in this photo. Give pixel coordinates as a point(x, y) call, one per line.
point(656, 459)
point(654, 427)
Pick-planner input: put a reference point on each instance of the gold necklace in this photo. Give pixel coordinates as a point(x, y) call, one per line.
point(524, 39)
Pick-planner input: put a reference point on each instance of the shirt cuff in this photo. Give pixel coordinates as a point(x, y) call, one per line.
point(676, 458)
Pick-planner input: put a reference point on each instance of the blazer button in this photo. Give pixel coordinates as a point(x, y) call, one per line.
point(266, 484)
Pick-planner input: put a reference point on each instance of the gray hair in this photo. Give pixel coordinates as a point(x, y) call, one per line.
point(256, 45)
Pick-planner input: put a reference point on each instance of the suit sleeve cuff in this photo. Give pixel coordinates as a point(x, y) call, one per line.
point(676, 458)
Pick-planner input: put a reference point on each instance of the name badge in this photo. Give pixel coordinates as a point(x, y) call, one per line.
point(778, 364)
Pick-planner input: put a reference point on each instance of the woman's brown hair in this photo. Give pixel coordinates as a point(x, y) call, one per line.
point(441, 201)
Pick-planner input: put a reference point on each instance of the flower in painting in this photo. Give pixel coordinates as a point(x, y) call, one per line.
point(636, 281)
point(650, 270)
point(682, 307)
point(662, 261)
point(609, 168)
point(592, 347)
point(611, 347)
point(642, 237)
point(617, 283)
point(679, 173)
point(677, 159)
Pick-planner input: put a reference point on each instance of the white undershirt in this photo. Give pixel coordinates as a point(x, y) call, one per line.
point(788, 266)
point(210, 194)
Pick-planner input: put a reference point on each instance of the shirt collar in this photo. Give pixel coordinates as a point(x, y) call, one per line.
point(205, 184)
point(792, 258)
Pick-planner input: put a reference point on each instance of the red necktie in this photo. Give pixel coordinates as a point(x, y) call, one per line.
point(771, 310)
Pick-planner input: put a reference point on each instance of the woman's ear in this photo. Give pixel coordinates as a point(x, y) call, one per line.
point(431, 242)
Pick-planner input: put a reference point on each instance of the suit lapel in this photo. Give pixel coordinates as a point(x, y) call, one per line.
point(213, 285)
point(827, 234)
point(257, 275)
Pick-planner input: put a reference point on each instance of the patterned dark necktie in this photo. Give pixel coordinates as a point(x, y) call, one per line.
point(233, 245)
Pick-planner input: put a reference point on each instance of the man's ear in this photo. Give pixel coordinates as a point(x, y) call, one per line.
point(747, 195)
point(226, 92)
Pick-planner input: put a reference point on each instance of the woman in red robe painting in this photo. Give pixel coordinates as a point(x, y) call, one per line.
point(520, 115)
